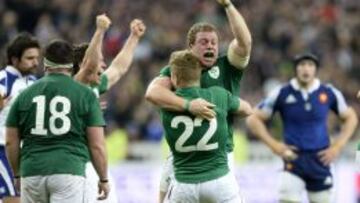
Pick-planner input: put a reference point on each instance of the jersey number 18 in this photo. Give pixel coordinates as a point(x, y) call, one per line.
point(40, 102)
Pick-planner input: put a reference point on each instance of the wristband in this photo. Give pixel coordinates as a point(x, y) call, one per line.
point(104, 180)
point(187, 105)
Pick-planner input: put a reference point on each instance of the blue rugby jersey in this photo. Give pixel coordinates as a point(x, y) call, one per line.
point(12, 83)
point(304, 112)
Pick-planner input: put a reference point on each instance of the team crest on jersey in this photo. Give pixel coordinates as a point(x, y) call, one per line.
point(214, 72)
point(323, 97)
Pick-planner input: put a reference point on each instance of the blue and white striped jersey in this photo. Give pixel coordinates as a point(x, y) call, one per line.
point(304, 112)
point(12, 83)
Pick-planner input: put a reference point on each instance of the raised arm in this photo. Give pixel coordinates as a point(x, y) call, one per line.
point(240, 48)
point(96, 143)
point(256, 125)
point(93, 54)
point(159, 93)
point(121, 64)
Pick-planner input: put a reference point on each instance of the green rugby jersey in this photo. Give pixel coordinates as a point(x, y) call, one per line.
point(52, 116)
point(199, 146)
point(222, 74)
point(102, 87)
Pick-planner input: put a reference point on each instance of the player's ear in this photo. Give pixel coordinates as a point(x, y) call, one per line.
point(14, 60)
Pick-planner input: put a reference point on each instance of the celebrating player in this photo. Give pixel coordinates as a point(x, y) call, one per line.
point(224, 71)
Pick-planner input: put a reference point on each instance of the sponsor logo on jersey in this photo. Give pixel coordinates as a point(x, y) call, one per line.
point(214, 72)
point(323, 98)
point(290, 99)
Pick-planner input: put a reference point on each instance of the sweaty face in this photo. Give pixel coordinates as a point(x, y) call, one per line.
point(28, 62)
point(306, 71)
point(206, 48)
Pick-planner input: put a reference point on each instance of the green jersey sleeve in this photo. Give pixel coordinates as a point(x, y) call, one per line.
point(13, 116)
point(95, 116)
point(233, 102)
point(165, 72)
point(103, 86)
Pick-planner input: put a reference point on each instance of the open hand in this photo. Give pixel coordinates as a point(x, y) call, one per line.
point(202, 108)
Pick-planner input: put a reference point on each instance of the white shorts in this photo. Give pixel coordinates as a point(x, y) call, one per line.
point(292, 188)
point(53, 188)
point(357, 161)
point(168, 171)
point(223, 189)
point(92, 180)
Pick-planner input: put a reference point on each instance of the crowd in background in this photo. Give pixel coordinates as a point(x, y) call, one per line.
point(280, 29)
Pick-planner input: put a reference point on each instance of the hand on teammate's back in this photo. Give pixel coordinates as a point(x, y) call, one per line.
point(103, 22)
point(202, 108)
point(137, 27)
point(104, 189)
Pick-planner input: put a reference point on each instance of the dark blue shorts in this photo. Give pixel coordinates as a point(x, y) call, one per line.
point(311, 170)
point(7, 188)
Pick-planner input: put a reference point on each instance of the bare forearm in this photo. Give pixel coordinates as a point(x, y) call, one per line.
point(92, 56)
point(164, 98)
point(258, 128)
point(99, 160)
point(240, 30)
point(121, 63)
point(13, 155)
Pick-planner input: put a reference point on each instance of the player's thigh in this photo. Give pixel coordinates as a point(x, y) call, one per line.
point(291, 188)
point(224, 189)
point(33, 189)
point(321, 196)
point(91, 183)
point(182, 192)
point(66, 188)
point(11, 200)
point(358, 160)
point(167, 174)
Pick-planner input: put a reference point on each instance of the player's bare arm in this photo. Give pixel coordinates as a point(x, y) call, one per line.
point(96, 143)
point(349, 122)
point(121, 64)
point(358, 95)
point(256, 124)
point(93, 53)
point(240, 48)
point(12, 147)
point(159, 93)
point(244, 109)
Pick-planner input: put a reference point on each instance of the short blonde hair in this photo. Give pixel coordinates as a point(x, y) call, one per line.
point(185, 66)
point(199, 27)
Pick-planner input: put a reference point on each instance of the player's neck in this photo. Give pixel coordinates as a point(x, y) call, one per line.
point(187, 85)
point(305, 85)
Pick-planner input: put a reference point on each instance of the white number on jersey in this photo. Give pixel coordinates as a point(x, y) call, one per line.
point(202, 145)
point(55, 114)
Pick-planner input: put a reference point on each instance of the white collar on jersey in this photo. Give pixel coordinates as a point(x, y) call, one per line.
point(13, 70)
point(295, 84)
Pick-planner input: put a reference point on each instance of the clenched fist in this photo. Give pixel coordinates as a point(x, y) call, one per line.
point(103, 22)
point(137, 27)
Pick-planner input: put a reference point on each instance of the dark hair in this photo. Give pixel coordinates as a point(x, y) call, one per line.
point(78, 56)
point(59, 51)
point(306, 56)
point(19, 45)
